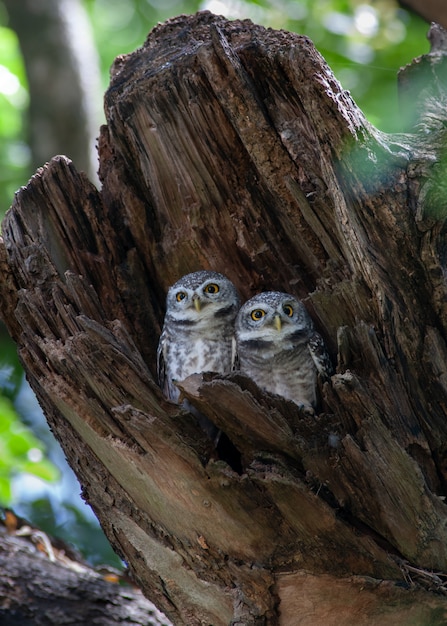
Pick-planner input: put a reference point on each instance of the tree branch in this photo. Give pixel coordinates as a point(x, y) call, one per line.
point(47, 587)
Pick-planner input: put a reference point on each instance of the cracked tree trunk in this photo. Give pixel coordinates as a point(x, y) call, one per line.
point(232, 147)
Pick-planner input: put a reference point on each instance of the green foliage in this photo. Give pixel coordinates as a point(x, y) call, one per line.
point(121, 27)
point(14, 151)
point(20, 451)
point(35, 479)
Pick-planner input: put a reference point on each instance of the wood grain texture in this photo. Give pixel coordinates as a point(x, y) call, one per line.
point(232, 147)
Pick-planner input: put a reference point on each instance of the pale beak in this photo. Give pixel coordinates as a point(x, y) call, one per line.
point(196, 301)
point(278, 322)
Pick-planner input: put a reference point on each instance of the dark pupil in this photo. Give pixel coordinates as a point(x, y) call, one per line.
point(211, 289)
point(180, 296)
point(257, 315)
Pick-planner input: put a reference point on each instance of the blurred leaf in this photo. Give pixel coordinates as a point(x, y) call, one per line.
point(18, 447)
point(7, 415)
point(9, 55)
point(43, 469)
point(19, 442)
point(5, 489)
point(14, 165)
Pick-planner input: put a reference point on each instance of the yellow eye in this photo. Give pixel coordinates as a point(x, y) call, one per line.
point(180, 296)
point(212, 288)
point(288, 310)
point(257, 314)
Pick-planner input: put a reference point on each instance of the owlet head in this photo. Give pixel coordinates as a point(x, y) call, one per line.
point(270, 316)
point(201, 295)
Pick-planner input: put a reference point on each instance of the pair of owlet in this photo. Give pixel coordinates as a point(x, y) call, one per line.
point(271, 338)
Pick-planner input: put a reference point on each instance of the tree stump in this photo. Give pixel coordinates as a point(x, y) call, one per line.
point(232, 147)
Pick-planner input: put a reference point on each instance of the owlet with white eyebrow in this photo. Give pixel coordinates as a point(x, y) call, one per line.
point(278, 347)
point(198, 330)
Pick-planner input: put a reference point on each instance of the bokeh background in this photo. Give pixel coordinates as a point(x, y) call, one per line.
point(55, 57)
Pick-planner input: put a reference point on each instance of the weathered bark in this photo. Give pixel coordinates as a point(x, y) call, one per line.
point(42, 586)
point(232, 147)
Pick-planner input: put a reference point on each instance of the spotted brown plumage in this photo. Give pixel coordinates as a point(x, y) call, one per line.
point(278, 347)
point(198, 329)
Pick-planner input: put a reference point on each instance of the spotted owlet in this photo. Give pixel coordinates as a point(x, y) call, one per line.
point(279, 349)
point(198, 330)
